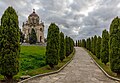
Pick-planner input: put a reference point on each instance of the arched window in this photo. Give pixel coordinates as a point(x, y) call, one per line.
point(40, 29)
point(40, 38)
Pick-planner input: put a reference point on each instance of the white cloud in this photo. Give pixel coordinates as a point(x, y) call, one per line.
point(76, 18)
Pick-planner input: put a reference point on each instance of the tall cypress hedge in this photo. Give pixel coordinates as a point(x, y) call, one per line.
point(98, 47)
point(9, 44)
point(94, 47)
point(88, 44)
point(115, 45)
point(92, 44)
point(105, 47)
point(83, 43)
point(76, 43)
point(52, 48)
point(61, 52)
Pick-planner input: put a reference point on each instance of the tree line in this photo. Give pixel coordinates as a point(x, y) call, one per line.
point(107, 47)
point(57, 49)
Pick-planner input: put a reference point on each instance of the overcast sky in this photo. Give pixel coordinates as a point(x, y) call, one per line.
point(76, 18)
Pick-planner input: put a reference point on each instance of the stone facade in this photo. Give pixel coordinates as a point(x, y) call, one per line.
point(33, 22)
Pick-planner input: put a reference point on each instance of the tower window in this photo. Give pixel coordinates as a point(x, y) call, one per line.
point(40, 29)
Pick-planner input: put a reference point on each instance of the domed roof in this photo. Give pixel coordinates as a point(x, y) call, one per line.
point(33, 14)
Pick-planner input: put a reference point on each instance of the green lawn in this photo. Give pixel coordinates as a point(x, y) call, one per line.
point(32, 61)
point(46, 68)
point(31, 57)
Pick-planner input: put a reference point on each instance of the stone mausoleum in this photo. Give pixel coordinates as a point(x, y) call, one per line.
point(35, 23)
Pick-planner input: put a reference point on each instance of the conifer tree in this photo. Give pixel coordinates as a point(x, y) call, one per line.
point(21, 36)
point(114, 43)
point(61, 52)
point(83, 43)
point(67, 46)
point(92, 44)
point(80, 43)
point(94, 48)
point(9, 44)
point(76, 43)
point(71, 45)
point(105, 47)
point(32, 37)
point(88, 44)
point(98, 47)
point(52, 48)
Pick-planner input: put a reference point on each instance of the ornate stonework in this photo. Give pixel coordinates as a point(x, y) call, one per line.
point(33, 22)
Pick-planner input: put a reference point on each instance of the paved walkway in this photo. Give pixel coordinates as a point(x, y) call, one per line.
point(81, 70)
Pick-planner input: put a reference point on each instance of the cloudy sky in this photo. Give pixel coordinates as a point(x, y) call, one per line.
point(76, 18)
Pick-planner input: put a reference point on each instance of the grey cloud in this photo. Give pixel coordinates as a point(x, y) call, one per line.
point(67, 14)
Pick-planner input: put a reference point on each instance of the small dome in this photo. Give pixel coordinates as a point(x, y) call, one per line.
point(33, 14)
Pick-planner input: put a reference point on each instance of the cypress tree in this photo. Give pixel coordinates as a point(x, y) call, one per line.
point(52, 48)
point(9, 44)
point(80, 43)
point(98, 47)
point(88, 44)
point(94, 48)
point(32, 37)
point(114, 43)
point(71, 45)
point(83, 43)
point(92, 44)
point(61, 52)
point(105, 47)
point(21, 36)
point(67, 46)
point(76, 43)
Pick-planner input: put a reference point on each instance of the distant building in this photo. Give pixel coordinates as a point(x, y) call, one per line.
point(35, 23)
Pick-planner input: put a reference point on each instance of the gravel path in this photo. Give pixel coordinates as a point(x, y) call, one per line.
point(80, 70)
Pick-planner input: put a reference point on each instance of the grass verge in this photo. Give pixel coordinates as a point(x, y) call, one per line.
point(44, 69)
point(47, 69)
point(106, 67)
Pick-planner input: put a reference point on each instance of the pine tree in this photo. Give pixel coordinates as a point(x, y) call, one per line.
point(9, 44)
point(114, 43)
point(105, 47)
point(61, 52)
point(32, 37)
point(98, 47)
point(52, 48)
